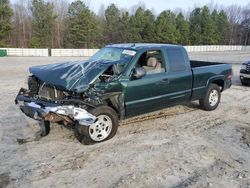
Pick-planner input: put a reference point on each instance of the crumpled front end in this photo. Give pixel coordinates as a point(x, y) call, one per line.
point(52, 111)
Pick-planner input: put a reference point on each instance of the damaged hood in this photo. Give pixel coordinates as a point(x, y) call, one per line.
point(71, 76)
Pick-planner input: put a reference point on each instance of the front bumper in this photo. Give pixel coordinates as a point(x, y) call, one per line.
point(245, 78)
point(50, 111)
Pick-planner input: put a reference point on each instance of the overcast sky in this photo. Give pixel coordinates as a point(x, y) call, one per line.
point(160, 5)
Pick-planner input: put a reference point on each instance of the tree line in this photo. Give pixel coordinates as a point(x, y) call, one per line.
point(58, 24)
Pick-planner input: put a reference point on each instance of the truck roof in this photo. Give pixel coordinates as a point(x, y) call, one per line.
point(138, 46)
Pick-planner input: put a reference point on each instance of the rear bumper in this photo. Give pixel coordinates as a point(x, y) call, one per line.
point(50, 111)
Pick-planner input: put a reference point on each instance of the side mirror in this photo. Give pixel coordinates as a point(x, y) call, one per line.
point(139, 72)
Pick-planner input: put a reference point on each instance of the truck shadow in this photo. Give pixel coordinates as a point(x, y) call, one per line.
point(193, 104)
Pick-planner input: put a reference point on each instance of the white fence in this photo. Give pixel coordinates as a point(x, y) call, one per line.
point(90, 52)
point(216, 48)
point(26, 52)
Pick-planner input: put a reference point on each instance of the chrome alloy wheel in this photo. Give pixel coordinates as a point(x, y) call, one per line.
point(213, 97)
point(101, 129)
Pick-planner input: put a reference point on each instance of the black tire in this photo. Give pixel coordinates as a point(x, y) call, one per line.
point(45, 127)
point(82, 132)
point(206, 103)
point(244, 83)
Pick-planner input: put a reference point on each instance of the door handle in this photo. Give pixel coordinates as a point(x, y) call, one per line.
point(165, 81)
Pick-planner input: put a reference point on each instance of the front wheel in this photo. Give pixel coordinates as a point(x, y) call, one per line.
point(103, 129)
point(211, 99)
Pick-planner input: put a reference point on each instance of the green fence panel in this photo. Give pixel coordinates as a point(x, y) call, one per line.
point(3, 53)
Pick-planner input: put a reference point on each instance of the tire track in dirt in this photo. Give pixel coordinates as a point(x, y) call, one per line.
point(161, 114)
point(203, 125)
point(199, 177)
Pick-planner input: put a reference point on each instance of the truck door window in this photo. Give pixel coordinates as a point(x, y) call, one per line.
point(152, 61)
point(176, 60)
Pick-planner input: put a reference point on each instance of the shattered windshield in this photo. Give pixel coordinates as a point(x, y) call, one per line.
point(113, 54)
point(122, 56)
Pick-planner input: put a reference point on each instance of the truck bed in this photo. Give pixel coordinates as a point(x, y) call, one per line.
point(203, 71)
point(195, 63)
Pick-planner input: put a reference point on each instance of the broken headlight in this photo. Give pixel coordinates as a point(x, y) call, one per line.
point(33, 85)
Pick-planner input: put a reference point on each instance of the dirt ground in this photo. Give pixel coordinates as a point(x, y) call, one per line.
point(181, 146)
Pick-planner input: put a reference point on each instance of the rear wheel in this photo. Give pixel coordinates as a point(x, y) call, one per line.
point(211, 99)
point(103, 129)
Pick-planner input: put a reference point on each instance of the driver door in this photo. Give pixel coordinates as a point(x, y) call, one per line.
point(147, 93)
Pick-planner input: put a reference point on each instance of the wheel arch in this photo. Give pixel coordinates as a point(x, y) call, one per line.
point(114, 100)
point(218, 80)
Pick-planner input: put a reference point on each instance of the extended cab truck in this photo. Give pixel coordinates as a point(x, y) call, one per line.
point(119, 81)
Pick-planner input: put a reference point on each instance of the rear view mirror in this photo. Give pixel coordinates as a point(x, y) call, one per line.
point(139, 72)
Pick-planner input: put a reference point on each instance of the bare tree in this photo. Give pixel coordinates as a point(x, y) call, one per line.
point(60, 9)
point(22, 23)
point(101, 11)
point(234, 13)
point(246, 24)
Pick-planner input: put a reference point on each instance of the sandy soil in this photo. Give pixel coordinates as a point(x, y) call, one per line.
point(181, 146)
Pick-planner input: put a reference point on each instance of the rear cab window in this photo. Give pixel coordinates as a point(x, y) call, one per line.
point(176, 60)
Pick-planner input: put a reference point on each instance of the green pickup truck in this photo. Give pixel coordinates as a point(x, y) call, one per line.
point(119, 81)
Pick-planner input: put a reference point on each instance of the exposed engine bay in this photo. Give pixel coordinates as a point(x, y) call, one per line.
point(41, 90)
point(110, 74)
